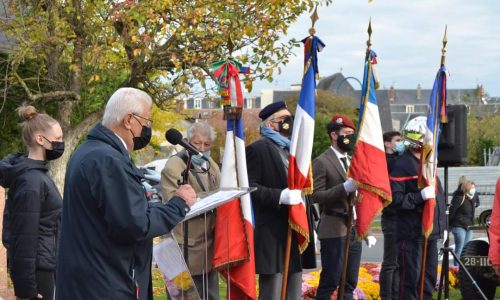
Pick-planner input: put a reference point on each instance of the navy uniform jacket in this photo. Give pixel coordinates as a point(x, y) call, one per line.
point(108, 224)
point(408, 201)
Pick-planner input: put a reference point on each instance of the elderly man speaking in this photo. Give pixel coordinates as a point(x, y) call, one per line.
point(107, 223)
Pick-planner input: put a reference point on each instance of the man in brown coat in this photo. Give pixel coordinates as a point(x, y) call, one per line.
point(203, 177)
point(331, 192)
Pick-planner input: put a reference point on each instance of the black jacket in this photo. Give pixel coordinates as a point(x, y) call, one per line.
point(33, 210)
point(409, 203)
point(108, 224)
point(461, 210)
point(389, 212)
point(267, 172)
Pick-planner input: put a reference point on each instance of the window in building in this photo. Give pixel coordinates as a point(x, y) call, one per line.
point(410, 108)
point(197, 103)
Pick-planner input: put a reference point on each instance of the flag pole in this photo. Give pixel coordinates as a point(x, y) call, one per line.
point(426, 235)
point(314, 18)
point(340, 295)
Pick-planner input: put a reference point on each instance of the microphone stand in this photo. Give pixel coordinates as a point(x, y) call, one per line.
point(185, 227)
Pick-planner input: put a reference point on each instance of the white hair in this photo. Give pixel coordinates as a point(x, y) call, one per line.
point(202, 128)
point(125, 101)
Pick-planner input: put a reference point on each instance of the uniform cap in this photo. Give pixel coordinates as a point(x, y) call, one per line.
point(343, 121)
point(270, 109)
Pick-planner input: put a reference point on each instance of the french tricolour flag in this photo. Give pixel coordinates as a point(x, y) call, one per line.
point(428, 160)
point(233, 243)
point(302, 140)
point(369, 165)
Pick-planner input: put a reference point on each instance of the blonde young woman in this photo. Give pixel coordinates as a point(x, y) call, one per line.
point(33, 207)
point(462, 214)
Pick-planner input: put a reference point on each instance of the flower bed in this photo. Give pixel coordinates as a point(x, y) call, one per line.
point(368, 282)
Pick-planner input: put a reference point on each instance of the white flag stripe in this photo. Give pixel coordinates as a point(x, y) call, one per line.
point(229, 178)
point(303, 126)
point(372, 134)
point(431, 159)
point(228, 173)
point(232, 92)
point(246, 205)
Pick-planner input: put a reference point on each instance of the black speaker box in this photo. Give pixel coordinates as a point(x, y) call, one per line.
point(452, 146)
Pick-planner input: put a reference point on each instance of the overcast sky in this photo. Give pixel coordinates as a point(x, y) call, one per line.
point(407, 36)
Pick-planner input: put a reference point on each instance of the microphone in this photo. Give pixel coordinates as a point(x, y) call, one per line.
point(174, 137)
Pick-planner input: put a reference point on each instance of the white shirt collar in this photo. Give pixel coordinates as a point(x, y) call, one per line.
point(338, 154)
point(123, 141)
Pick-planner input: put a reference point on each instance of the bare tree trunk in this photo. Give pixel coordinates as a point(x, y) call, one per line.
point(72, 135)
point(71, 139)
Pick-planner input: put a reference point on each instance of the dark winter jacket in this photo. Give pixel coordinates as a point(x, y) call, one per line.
point(267, 172)
point(108, 224)
point(461, 210)
point(389, 212)
point(33, 210)
point(409, 203)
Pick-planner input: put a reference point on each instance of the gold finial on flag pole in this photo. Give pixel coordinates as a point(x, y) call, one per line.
point(230, 45)
point(369, 41)
point(314, 17)
point(445, 41)
point(368, 49)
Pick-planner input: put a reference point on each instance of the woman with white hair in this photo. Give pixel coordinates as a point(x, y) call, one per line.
point(204, 177)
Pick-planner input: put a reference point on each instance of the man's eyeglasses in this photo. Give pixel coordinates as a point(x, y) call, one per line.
point(281, 119)
point(149, 122)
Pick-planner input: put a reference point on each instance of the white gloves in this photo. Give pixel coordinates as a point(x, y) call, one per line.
point(290, 197)
point(370, 241)
point(429, 192)
point(350, 186)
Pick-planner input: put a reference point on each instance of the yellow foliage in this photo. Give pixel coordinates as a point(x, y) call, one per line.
point(183, 281)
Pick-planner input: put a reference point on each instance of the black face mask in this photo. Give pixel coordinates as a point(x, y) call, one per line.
point(286, 126)
point(56, 151)
point(346, 142)
point(142, 140)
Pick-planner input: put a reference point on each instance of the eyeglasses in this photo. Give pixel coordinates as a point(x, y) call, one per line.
point(281, 119)
point(149, 121)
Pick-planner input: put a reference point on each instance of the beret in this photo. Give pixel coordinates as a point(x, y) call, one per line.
point(343, 121)
point(270, 109)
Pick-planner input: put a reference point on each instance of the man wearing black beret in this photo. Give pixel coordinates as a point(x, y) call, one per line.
point(267, 163)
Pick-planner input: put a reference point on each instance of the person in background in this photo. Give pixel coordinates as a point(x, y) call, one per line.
point(461, 215)
point(33, 207)
point(389, 273)
point(393, 146)
point(107, 222)
point(494, 231)
point(203, 177)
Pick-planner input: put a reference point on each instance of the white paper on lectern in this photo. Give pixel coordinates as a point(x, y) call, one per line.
point(215, 199)
point(168, 257)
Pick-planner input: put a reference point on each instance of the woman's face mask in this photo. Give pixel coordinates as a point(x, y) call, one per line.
point(472, 192)
point(198, 160)
point(56, 151)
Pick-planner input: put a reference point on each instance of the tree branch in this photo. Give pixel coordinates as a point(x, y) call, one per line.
point(46, 97)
